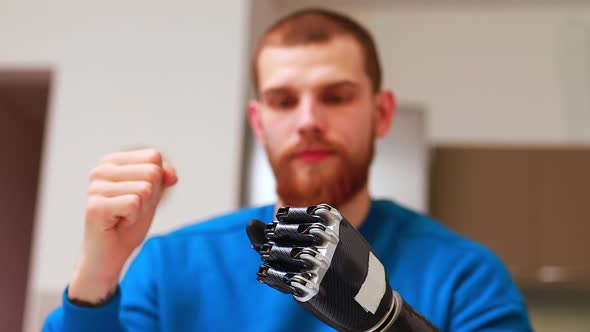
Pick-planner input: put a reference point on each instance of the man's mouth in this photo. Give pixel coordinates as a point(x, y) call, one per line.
point(312, 155)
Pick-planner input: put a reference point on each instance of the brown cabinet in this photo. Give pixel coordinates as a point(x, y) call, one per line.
point(529, 205)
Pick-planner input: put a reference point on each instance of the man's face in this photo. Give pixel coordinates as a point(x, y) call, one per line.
point(316, 119)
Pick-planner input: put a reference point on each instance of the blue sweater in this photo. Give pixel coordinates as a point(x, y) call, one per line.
point(202, 278)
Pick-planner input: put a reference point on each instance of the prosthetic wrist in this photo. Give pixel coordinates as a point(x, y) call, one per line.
point(317, 256)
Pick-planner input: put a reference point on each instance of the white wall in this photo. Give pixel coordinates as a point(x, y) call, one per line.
point(128, 73)
point(495, 71)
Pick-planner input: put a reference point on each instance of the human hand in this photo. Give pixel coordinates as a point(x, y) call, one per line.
point(123, 194)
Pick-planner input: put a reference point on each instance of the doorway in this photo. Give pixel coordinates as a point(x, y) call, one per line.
point(24, 96)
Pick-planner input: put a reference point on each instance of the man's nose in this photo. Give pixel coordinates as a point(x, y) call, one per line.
point(310, 117)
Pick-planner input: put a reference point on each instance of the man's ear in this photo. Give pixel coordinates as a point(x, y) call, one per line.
point(386, 106)
point(254, 118)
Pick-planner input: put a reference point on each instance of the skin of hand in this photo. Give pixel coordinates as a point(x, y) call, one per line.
point(123, 194)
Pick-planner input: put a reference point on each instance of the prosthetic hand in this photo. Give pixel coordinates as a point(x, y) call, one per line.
point(317, 256)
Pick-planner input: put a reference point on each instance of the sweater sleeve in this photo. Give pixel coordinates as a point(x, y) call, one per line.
point(486, 298)
point(70, 317)
point(132, 308)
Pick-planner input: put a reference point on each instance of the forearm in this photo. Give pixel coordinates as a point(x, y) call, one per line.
point(404, 318)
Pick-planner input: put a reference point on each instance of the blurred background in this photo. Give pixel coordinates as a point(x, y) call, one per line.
point(492, 136)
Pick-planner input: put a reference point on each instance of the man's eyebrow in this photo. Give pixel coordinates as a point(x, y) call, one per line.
point(330, 85)
point(340, 84)
point(276, 90)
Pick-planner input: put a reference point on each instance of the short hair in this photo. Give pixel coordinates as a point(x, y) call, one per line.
point(314, 25)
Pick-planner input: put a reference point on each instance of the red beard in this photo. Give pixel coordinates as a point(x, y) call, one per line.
point(333, 181)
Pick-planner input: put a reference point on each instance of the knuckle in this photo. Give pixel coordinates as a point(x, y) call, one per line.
point(134, 203)
point(95, 206)
point(154, 173)
point(94, 187)
point(145, 190)
point(154, 156)
point(97, 172)
point(94, 174)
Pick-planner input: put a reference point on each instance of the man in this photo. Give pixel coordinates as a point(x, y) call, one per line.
point(319, 110)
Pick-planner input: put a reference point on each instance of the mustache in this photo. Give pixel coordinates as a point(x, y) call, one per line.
point(311, 144)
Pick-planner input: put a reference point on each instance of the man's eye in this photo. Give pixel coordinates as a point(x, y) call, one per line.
point(335, 99)
point(284, 103)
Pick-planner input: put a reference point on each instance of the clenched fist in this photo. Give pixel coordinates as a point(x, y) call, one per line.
point(123, 194)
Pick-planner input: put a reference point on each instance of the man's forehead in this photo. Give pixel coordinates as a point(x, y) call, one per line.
point(316, 79)
point(339, 59)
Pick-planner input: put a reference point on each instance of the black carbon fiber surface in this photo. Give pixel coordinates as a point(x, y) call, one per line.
point(275, 279)
point(409, 320)
point(282, 257)
point(291, 235)
point(297, 215)
point(335, 303)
